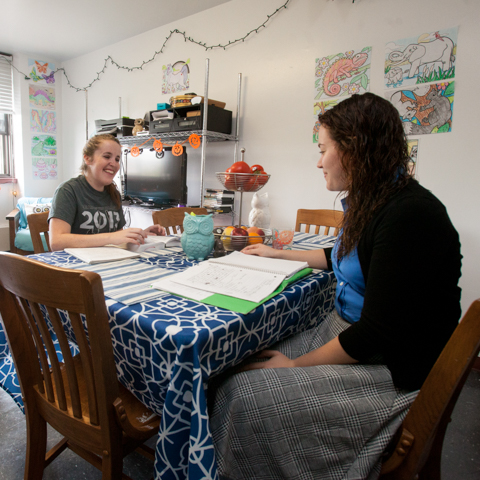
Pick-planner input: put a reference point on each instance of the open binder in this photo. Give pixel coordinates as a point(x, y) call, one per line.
point(237, 282)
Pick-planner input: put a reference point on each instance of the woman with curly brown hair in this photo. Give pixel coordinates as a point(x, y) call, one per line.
point(325, 403)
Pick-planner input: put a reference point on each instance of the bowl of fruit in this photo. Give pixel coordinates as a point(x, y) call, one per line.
point(242, 177)
point(237, 238)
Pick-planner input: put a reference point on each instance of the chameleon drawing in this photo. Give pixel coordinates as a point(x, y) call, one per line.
point(343, 67)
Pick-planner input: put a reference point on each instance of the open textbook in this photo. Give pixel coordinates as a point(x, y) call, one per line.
point(237, 275)
point(155, 242)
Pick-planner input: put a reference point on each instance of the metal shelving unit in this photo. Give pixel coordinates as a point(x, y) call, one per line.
point(206, 135)
point(210, 136)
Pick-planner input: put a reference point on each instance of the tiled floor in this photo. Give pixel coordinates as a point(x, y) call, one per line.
point(461, 452)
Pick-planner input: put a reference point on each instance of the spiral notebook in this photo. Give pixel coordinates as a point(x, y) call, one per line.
point(238, 275)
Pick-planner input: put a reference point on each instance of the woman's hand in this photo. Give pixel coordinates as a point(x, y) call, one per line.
point(128, 235)
point(61, 237)
point(261, 250)
point(276, 360)
point(332, 353)
point(314, 258)
point(155, 230)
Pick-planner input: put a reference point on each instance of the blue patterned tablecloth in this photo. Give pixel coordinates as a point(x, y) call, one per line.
point(167, 347)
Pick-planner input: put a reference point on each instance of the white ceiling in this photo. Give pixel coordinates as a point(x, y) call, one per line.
point(65, 29)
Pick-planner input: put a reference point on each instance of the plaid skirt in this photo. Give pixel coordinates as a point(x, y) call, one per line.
point(322, 422)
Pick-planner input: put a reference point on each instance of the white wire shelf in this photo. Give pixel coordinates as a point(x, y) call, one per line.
point(177, 136)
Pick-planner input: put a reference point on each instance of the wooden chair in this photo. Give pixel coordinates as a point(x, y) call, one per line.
point(172, 218)
point(19, 233)
point(319, 218)
point(417, 453)
point(38, 223)
point(80, 397)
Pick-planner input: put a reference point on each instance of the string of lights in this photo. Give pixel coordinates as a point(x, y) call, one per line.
point(109, 59)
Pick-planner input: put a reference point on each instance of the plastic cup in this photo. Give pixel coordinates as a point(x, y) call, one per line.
point(282, 238)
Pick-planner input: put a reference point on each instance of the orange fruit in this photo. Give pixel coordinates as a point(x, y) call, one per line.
point(253, 238)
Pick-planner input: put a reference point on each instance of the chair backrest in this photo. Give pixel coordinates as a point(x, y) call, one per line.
point(319, 218)
point(38, 223)
point(29, 205)
point(172, 218)
point(421, 434)
point(32, 291)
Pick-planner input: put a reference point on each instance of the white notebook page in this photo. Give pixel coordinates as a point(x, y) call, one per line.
point(264, 264)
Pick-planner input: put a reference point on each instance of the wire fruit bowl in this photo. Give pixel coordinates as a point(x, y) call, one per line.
point(238, 242)
point(243, 182)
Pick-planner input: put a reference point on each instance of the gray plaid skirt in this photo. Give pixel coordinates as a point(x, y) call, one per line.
point(323, 422)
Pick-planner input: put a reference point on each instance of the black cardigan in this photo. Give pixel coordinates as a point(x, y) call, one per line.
point(410, 259)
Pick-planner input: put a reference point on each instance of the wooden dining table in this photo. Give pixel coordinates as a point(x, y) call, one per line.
point(168, 347)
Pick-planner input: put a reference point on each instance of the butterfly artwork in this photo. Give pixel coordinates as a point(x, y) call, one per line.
point(41, 71)
point(41, 68)
point(49, 78)
point(34, 76)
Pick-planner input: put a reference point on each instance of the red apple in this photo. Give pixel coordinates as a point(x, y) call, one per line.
point(239, 238)
point(256, 230)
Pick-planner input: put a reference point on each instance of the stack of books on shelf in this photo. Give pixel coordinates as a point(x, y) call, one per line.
point(217, 200)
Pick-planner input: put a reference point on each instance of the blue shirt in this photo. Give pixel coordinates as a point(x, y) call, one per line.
point(350, 291)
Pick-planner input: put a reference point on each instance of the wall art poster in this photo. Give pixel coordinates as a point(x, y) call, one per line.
point(176, 77)
point(42, 72)
point(44, 168)
point(342, 74)
point(425, 109)
point(413, 152)
point(319, 108)
point(43, 121)
point(429, 57)
point(41, 96)
point(44, 146)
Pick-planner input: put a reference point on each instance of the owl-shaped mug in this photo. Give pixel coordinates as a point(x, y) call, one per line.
point(197, 237)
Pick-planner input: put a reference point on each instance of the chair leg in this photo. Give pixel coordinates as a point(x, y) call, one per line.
point(432, 468)
point(112, 464)
point(36, 446)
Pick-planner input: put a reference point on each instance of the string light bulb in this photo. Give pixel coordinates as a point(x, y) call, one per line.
point(109, 59)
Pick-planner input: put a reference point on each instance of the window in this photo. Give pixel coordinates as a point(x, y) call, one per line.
point(6, 150)
point(6, 110)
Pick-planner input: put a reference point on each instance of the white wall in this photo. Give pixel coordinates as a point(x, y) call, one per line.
point(276, 112)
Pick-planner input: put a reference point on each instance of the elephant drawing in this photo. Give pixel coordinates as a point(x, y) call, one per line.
point(418, 54)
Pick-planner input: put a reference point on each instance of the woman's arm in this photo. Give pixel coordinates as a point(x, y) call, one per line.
point(60, 236)
point(331, 353)
point(314, 258)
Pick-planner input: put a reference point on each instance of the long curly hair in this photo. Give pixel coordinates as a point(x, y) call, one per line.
point(88, 150)
point(373, 149)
